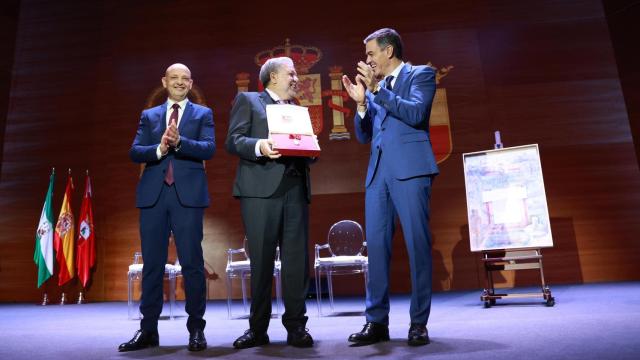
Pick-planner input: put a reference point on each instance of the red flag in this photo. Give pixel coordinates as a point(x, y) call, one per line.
point(63, 237)
point(86, 254)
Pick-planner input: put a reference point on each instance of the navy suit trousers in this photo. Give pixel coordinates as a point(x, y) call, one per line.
point(385, 198)
point(186, 223)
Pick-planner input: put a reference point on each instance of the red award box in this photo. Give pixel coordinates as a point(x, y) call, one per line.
point(290, 129)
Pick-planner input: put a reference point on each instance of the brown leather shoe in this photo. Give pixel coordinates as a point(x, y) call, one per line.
point(371, 333)
point(418, 335)
point(141, 339)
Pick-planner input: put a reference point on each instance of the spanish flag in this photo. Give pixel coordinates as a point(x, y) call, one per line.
point(63, 237)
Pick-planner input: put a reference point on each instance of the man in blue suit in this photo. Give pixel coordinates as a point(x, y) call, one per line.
point(173, 140)
point(394, 104)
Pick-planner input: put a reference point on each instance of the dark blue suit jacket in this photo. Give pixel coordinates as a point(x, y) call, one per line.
point(197, 143)
point(397, 123)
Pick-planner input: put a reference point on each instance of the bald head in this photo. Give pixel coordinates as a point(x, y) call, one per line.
point(177, 80)
point(178, 66)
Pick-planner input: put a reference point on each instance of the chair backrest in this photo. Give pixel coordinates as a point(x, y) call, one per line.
point(346, 238)
point(137, 257)
point(242, 253)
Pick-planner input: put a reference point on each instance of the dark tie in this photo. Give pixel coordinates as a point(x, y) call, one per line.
point(168, 176)
point(387, 82)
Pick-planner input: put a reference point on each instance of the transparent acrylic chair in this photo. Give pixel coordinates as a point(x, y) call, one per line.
point(171, 272)
point(344, 253)
point(239, 266)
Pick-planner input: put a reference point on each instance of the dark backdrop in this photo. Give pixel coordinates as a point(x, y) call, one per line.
point(541, 72)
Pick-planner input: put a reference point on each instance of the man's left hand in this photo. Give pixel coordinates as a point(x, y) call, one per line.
point(367, 76)
point(173, 135)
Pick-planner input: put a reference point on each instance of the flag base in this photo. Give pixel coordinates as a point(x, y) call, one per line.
point(63, 299)
point(81, 299)
point(45, 300)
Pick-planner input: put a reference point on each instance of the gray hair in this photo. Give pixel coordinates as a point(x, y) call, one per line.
point(272, 65)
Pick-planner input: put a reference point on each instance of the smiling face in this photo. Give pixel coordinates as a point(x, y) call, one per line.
point(284, 82)
point(380, 59)
point(177, 80)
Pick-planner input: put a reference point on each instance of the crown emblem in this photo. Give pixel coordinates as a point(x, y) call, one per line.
point(304, 57)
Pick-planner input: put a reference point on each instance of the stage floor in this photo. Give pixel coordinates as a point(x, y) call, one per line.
point(593, 321)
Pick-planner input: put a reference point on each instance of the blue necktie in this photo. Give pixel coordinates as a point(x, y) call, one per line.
point(387, 82)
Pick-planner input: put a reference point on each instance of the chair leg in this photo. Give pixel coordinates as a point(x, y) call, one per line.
point(130, 295)
point(229, 295)
point(318, 271)
point(244, 292)
point(278, 293)
point(330, 285)
point(365, 271)
point(172, 293)
point(207, 286)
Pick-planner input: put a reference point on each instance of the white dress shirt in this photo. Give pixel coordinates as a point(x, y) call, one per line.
point(182, 105)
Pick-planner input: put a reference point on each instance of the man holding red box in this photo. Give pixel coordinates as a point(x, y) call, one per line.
point(274, 193)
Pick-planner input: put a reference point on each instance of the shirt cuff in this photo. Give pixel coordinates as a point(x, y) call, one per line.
point(158, 153)
point(257, 148)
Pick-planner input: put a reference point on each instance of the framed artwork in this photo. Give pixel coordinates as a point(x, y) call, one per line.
point(506, 201)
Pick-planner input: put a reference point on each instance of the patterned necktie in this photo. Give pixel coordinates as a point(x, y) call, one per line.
point(168, 176)
point(387, 82)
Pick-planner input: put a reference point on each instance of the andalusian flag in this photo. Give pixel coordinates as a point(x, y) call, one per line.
point(63, 238)
point(43, 255)
point(86, 256)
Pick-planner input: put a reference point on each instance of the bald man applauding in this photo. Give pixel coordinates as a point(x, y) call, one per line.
point(172, 141)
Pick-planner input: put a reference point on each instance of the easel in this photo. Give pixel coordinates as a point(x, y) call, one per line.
point(517, 259)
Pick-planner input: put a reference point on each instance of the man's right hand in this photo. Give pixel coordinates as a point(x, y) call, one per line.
point(164, 142)
point(356, 91)
point(266, 149)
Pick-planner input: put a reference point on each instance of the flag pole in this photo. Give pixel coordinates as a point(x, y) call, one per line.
point(45, 297)
point(81, 298)
point(63, 296)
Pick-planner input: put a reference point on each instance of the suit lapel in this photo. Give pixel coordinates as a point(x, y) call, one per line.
point(265, 99)
point(402, 76)
point(163, 117)
point(397, 87)
point(186, 115)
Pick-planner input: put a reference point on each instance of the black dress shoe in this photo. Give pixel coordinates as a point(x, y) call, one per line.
point(251, 339)
point(371, 333)
point(197, 341)
point(418, 335)
point(141, 339)
point(300, 337)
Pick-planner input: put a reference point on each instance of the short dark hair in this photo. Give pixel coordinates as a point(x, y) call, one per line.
point(386, 37)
